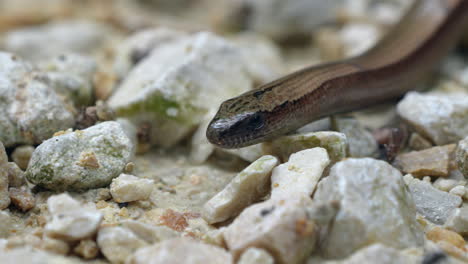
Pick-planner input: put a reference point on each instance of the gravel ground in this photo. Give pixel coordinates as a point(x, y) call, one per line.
point(104, 159)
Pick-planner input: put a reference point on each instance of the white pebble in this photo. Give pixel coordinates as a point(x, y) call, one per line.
point(128, 188)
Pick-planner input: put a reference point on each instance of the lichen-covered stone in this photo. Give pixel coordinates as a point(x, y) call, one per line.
point(174, 87)
point(71, 220)
point(335, 143)
point(287, 229)
point(435, 205)
point(429, 162)
point(83, 159)
point(32, 110)
point(442, 118)
point(128, 188)
point(300, 175)
point(55, 38)
point(461, 155)
point(181, 250)
point(355, 182)
point(360, 140)
point(21, 156)
point(247, 187)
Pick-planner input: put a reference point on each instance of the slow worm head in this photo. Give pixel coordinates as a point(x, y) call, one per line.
point(422, 38)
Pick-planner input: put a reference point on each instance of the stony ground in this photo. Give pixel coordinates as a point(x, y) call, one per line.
point(103, 155)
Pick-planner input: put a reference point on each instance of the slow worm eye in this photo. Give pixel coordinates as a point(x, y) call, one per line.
point(256, 122)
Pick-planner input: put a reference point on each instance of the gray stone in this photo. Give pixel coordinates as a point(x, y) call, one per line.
point(256, 256)
point(430, 202)
point(33, 111)
point(80, 160)
point(442, 118)
point(55, 38)
point(376, 207)
point(4, 196)
point(360, 140)
point(461, 155)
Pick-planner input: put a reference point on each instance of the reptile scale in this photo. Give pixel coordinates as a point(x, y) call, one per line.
point(412, 49)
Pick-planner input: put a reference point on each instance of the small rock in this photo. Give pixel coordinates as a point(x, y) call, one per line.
point(433, 204)
point(21, 156)
point(249, 153)
point(445, 184)
point(429, 162)
point(458, 191)
point(335, 143)
point(300, 175)
point(247, 187)
point(7, 225)
point(287, 229)
point(462, 156)
point(119, 242)
point(355, 182)
point(70, 220)
point(31, 255)
point(438, 234)
point(56, 38)
point(360, 140)
point(128, 188)
point(442, 118)
point(81, 160)
point(181, 250)
point(54, 245)
point(22, 198)
point(417, 142)
point(377, 253)
point(87, 249)
point(458, 220)
point(256, 256)
point(4, 196)
point(15, 175)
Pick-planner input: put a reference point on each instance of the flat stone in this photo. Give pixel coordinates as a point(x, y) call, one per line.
point(417, 142)
point(434, 161)
point(256, 256)
point(433, 204)
point(300, 175)
point(118, 243)
point(335, 143)
point(462, 156)
point(128, 188)
point(249, 186)
point(442, 118)
point(81, 160)
point(71, 220)
point(22, 198)
point(181, 250)
point(360, 140)
point(287, 229)
point(355, 182)
point(438, 234)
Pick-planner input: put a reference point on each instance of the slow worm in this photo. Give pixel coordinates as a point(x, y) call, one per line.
point(412, 49)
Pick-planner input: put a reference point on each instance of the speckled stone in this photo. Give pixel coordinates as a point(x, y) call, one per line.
point(355, 182)
point(80, 160)
point(433, 204)
point(461, 155)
